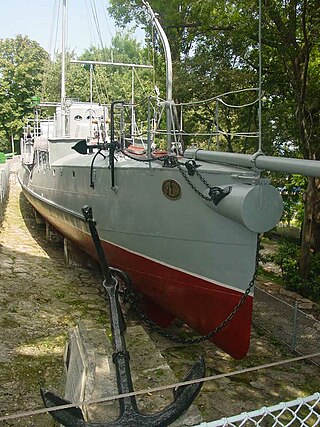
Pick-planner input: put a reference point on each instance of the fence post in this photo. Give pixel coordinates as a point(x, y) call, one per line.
point(294, 327)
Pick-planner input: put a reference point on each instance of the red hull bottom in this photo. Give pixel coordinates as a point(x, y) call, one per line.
point(200, 304)
point(174, 294)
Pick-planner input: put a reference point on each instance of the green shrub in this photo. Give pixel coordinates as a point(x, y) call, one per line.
point(287, 258)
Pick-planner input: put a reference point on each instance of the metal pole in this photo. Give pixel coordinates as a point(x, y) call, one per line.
point(63, 69)
point(12, 145)
point(260, 78)
point(91, 100)
point(115, 64)
point(294, 327)
point(217, 124)
point(149, 134)
point(258, 160)
point(132, 107)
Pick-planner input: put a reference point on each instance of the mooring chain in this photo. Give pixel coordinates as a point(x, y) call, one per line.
point(130, 296)
point(194, 188)
point(172, 161)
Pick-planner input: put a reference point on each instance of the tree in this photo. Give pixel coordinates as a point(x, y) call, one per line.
point(21, 66)
point(215, 43)
point(109, 82)
point(296, 24)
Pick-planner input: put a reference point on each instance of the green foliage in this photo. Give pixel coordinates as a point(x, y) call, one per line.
point(21, 66)
point(292, 189)
point(287, 258)
point(109, 82)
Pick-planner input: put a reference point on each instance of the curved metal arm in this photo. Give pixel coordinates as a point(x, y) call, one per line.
point(167, 53)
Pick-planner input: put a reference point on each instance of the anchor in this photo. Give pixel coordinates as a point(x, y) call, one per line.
point(129, 412)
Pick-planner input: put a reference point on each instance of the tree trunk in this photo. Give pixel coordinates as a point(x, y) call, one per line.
point(316, 219)
point(307, 228)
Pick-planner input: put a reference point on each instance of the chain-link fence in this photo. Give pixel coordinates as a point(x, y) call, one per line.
point(300, 412)
point(287, 323)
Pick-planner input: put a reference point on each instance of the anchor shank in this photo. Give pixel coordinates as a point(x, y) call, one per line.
point(88, 215)
point(120, 357)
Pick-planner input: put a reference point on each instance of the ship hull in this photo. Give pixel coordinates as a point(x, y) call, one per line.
point(194, 267)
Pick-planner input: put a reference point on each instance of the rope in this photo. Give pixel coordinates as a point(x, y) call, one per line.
point(220, 132)
point(155, 389)
point(237, 106)
point(219, 96)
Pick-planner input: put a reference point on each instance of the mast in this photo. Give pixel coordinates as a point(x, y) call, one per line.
point(91, 98)
point(167, 52)
point(63, 68)
point(133, 125)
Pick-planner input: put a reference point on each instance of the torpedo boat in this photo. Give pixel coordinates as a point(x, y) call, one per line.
point(183, 225)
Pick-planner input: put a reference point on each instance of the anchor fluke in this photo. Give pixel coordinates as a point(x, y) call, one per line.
point(183, 398)
point(71, 417)
point(196, 371)
point(82, 147)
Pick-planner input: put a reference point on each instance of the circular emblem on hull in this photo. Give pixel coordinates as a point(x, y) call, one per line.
point(171, 189)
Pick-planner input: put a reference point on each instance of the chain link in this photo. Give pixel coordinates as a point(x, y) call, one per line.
point(173, 161)
point(131, 297)
point(185, 176)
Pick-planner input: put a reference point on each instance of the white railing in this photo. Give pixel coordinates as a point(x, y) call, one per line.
point(4, 186)
point(300, 412)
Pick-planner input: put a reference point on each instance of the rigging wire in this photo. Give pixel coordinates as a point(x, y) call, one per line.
point(96, 21)
point(96, 83)
point(157, 389)
point(153, 55)
point(237, 106)
point(57, 26)
point(90, 26)
point(105, 18)
point(54, 24)
point(51, 51)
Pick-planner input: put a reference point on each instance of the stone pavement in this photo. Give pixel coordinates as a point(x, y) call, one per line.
point(40, 300)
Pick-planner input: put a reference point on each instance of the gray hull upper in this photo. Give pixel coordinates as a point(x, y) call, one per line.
point(189, 233)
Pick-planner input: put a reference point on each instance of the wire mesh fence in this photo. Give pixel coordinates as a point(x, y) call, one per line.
point(287, 323)
point(300, 412)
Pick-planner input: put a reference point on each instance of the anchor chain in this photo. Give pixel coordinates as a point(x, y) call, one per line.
point(215, 193)
point(130, 296)
point(191, 185)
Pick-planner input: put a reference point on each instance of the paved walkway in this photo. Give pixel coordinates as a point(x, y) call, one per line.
point(40, 300)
